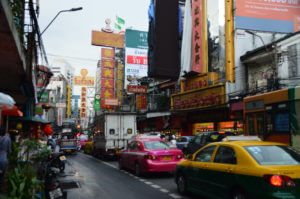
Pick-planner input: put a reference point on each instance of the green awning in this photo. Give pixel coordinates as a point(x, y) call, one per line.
point(34, 119)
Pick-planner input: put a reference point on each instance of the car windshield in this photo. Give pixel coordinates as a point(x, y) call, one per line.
point(274, 155)
point(156, 145)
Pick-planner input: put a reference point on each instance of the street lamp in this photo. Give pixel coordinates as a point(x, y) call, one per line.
point(71, 10)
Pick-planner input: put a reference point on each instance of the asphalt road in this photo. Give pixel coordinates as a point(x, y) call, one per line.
point(103, 179)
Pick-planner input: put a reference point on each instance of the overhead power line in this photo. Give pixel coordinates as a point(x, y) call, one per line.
point(69, 57)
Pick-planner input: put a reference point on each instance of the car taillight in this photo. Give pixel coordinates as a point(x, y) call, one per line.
point(280, 180)
point(150, 157)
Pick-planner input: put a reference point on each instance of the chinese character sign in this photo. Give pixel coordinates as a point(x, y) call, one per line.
point(107, 73)
point(107, 63)
point(107, 83)
point(107, 53)
point(197, 36)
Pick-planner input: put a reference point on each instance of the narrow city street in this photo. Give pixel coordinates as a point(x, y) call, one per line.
point(103, 179)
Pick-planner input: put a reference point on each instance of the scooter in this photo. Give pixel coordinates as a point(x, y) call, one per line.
point(57, 160)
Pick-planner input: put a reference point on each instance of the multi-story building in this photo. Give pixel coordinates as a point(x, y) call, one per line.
point(20, 46)
point(213, 78)
point(271, 105)
point(62, 67)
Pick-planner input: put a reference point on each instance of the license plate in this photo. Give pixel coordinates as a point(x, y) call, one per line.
point(69, 150)
point(55, 193)
point(166, 158)
point(62, 158)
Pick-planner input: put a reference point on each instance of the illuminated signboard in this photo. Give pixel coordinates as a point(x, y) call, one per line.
point(268, 15)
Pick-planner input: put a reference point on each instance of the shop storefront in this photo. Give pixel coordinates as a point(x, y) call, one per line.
point(274, 116)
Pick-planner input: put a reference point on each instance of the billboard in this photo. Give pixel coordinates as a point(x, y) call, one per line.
point(136, 54)
point(107, 39)
point(268, 15)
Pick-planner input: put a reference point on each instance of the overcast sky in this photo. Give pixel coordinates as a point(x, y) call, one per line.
point(69, 36)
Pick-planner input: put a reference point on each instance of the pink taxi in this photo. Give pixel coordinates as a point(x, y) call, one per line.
point(150, 154)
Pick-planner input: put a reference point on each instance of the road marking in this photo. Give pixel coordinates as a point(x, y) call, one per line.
point(164, 190)
point(148, 183)
point(155, 186)
point(173, 195)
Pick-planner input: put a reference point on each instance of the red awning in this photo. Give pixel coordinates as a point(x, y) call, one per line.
point(14, 111)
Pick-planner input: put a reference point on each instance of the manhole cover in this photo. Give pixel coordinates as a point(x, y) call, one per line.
point(69, 185)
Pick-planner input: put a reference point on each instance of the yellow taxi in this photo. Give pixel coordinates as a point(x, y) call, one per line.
point(241, 167)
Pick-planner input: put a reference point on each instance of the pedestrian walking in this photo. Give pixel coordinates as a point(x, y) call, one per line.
point(5, 149)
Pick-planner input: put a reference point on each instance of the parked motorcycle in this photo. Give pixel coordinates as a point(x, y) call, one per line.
point(57, 160)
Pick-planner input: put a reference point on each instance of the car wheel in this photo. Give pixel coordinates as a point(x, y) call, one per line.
point(120, 165)
point(181, 184)
point(238, 195)
point(138, 171)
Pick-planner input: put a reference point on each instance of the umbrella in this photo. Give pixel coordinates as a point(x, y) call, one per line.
point(13, 111)
point(6, 100)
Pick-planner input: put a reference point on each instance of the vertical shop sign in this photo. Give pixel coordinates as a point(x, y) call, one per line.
point(59, 116)
point(141, 102)
point(197, 36)
point(107, 53)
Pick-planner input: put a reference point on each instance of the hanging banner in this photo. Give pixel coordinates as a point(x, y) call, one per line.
point(108, 53)
point(197, 37)
point(107, 73)
point(107, 83)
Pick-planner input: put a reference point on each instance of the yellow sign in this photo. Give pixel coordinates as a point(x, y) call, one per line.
point(212, 96)
point(202, 127)
point(83, 80)
point(107, 39)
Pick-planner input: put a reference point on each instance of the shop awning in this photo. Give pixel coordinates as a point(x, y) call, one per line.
point(14, 111)
point(34, 119)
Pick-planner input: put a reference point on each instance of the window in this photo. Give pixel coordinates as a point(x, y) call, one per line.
point(198, 139)
point(292, 60)
point(137, 146)
point(225, 155)
point(205, 154)
point(111, 131)
point(274, 155)
point(131, 145)
point(156, 145)
point(182, 139)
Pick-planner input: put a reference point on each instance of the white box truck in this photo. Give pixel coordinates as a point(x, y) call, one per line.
point(114, 131)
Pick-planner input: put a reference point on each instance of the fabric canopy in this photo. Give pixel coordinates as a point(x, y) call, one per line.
point(14, 111)
point(34, 119)
point(6, 100)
